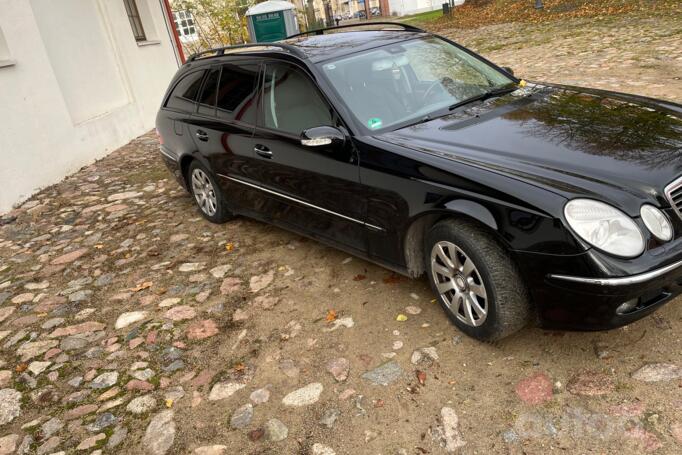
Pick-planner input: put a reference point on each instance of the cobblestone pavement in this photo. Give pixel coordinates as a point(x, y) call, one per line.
point(128, 324)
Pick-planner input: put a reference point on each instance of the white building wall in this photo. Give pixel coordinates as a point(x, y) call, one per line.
point(74, 85)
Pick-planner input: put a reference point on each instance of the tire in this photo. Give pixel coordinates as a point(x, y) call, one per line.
point(484, 277)
point(207, 195)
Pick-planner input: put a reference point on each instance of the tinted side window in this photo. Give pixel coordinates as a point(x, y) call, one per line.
point(291, 102)
point(185, 92)
point(207, 98)
point(237, 93)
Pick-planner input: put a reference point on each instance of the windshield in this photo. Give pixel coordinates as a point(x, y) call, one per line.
point(405, 82)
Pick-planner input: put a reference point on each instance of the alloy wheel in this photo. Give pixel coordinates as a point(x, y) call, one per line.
point(459, 283)
point(204, 193)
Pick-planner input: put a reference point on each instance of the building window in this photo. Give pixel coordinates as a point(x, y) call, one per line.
point(184, 24)
point(135, 21)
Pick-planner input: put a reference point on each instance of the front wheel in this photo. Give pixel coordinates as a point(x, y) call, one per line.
point(207, 195)
point(476, 281)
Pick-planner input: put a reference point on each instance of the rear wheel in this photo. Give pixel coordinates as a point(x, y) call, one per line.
point(476, 281)
point(207, 195)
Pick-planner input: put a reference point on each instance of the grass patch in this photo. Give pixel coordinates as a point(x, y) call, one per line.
point(420, 18)
point(146, 175)
point(155, 381)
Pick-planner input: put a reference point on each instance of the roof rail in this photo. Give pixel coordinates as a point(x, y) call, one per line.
point(245, 48)
point(321, 31)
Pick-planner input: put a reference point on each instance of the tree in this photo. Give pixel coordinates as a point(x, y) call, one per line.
point(218, 22)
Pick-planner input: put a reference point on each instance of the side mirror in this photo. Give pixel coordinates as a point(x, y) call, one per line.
point(508, 69)
point(322, 135)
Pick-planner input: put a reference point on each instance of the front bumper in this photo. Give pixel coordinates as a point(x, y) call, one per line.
point(621, 282)
point(579, 300)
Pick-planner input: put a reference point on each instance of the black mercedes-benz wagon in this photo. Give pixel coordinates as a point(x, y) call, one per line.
point(521, 202)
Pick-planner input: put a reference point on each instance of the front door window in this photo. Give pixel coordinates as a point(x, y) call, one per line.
point(291, 102)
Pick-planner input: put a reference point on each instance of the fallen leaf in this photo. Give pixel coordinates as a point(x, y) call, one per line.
point(21, 367)
point(401, 318)
point(169, 403)
point(421, 377)
point(478, 13)
point(394, 278)
point(359, 277)
point(239, 367)
point(255, 435)
point(331, 316)
point(229, 246)
point(139, 287)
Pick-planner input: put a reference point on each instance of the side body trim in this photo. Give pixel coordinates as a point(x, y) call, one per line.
point(298, 201)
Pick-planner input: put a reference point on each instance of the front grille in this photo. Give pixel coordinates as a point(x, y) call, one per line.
point(673, 193)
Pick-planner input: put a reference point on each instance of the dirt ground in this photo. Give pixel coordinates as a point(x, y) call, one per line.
point(129, 324)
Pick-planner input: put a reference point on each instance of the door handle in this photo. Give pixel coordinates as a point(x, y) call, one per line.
point(202, 135)
point(263, 151)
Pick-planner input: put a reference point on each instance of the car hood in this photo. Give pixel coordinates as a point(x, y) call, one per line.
point(574, 142)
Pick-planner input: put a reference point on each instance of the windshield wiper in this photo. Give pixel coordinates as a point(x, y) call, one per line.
point(485, 95)
point(423, 119)
point(507, 88)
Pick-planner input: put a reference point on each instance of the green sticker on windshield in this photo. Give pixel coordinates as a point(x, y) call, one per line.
point(374, 123)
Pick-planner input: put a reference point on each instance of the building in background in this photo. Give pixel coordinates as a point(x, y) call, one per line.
point(346, 9)
point(320, 11)
point(208, 24)
point(78, 79)
point(185, 26)
point(404, 7)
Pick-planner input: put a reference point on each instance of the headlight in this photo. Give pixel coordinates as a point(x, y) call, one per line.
point(657, 223)
point(605, 227)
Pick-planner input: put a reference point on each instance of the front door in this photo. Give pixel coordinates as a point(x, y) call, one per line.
point(313, 189)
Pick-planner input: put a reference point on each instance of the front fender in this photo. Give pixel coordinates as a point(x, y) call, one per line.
point(473, 210)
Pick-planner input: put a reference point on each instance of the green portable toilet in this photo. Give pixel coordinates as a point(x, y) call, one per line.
point(271, 21)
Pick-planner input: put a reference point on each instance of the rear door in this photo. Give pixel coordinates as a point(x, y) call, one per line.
point(223, 125)
point(313, 189)
point(174, 116)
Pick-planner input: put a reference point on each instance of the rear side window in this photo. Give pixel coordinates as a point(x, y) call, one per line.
point(237, 92)
point(207, 98)
point(185, 93)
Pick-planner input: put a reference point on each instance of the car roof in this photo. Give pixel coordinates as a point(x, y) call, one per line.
point(318, 48)
point(313, 46)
